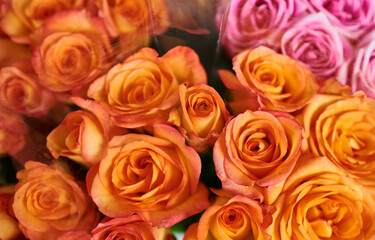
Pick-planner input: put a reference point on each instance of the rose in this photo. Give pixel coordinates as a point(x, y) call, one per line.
point(353, 18)
point(254, 23)
point(15, 52)
point(129, 16)
point(75, 235)
point(362, 69)
point(154, 176)
point(49, 202)
point(233, 217)
point(8, 224)
point(83, 135)
point(21, 17)
point(281, 83)
point(319, 201)
point(12, 132)
point(21, 92)
point(257, 149)
point(317, 44)
point(150, 84)
point(341, 128)
point(201, 115)
point(75, 49)
point(132, 227)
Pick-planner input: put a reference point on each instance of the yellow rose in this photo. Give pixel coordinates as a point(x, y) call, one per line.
point(49, 202)
point(143, 89)
point(74, 51)
point(341, 127)
point(156, 177)
point(201, 115)
point(319, 201)
point(281, 83)
point(83, 135)
point(21, 92)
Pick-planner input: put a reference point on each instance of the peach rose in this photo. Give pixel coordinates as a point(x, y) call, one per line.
point(75, 235)
point(342, 128)
point(156, 177)
point(49, 202)
point(233, 217)
point(12, 132)
point(22, 17)
point(201, 115)
point(132, 227)
point(21, 92)
point(281, 83)
point(144, 88)
point(8, 224)
point(319, 201)
point(150, 16)
point(75, 49)
point(14, 52)
point(257, 149)
point(83, 135)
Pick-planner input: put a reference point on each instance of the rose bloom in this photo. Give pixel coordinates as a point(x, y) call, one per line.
point(257, 149)
point(21, 92)
point(342, 128)
point(8, 224)
point(129, 16)
point(201, 115)
point(49, 202)
point(83, 135)
point(75, 49)
point(254, 23)
point(232, 217)
point(144, 88)
point(12, 132)
point(14, 52)
point(281, 83)
point(75, 235)
point(319, 201)
point(314, 42)
point(155, 177)
point(132, 227)
point(22, 17)
point(353, 18)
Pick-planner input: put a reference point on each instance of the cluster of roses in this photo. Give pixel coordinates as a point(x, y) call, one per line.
point(294, 154)
point(331, 38)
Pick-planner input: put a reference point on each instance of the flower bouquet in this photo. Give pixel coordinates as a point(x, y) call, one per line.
point(161, 119)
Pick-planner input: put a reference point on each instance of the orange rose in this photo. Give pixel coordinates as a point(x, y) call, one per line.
point(233, 217)
point(201, 116)
point(156, 177)
point(143, 89)
point(75, 235)
point(257, 149)
point(49, 202)
point(132, 227)
point(14, 52)
point(129, 16)
point(8, 224)
point(21, 92)
point(74, 51)
point(83, 135)
point(21, 17)
point(12, 132)
point(342, 128)
point(280, 82)
point(319, 201)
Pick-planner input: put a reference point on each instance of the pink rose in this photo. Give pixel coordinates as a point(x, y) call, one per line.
point(254, 23)
point(352, 17)
point(317, 44)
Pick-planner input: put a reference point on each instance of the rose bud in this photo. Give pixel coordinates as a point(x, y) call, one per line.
point(49, 202)
point(156, 177)
point(201, 115)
